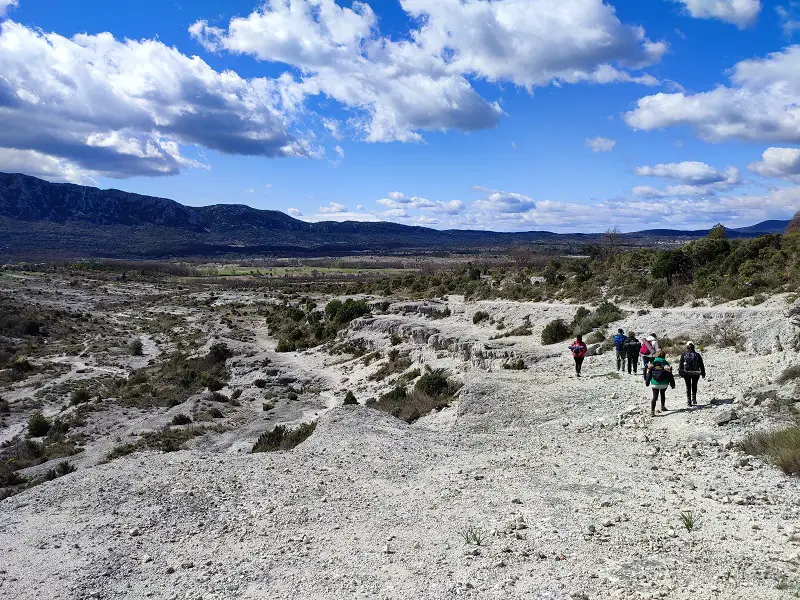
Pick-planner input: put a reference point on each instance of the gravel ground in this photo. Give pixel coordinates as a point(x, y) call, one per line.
point(571, 489)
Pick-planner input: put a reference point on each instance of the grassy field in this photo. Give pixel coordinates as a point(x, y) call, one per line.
point(296, 271)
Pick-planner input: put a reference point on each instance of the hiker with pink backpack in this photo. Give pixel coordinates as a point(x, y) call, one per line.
point(648, 351)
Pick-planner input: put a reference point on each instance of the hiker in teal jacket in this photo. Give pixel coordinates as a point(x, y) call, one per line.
point(659, 376)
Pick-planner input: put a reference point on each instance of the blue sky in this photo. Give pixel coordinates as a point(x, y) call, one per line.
point(569, 115)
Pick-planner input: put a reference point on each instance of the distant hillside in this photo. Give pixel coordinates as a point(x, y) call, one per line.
point(42, 218)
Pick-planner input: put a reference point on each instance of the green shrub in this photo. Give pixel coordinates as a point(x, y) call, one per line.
point(136, 348)
point(260, 383)
point(292, 396)
point(781, 447)
point(555, 332)
point(11, 478)
point(434, 383)
point(79, 397)
point(350, 399)
point(5, 407)
point(181, 419)
point(480, 317)
point(236, 394)
point(282, 438)
point(215, 385)
point(38, 425)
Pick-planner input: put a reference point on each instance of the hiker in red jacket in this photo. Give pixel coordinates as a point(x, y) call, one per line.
point(578, 349)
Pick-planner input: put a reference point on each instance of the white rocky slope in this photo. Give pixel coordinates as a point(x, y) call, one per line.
point(576, 490)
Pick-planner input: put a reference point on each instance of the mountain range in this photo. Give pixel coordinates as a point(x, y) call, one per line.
point(39, 218)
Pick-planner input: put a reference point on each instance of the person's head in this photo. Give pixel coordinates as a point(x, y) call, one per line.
point(653, 335)
point(621, 331)
point(662, 354)
point(690, 346)
point(631, 334)
point(579, 338)
point(650, 338)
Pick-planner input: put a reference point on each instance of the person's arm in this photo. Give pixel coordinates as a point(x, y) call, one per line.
point(680, 366)
point(702, 366)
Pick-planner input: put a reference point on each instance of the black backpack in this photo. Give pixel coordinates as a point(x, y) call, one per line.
point(691, 362)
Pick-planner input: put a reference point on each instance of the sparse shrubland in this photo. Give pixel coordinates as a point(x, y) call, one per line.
point(782, 448)
point(282, 438)
point(555, 331)
point(432, 391)
point(302, 326)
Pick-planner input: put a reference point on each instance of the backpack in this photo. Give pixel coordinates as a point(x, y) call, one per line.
point(691, 362)
point(659, 372)
point(646, 349)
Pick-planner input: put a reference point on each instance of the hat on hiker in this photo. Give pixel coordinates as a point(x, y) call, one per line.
point(650, 338)
point(690, 344)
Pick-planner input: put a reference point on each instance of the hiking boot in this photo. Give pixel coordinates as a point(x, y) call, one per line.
point(663, 408)
point(688, 403)
point(652, 413)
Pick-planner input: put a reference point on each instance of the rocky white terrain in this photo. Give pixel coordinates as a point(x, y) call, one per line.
point(534, 484)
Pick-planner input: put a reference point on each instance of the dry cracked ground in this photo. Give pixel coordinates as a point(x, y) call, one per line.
point(531, 484)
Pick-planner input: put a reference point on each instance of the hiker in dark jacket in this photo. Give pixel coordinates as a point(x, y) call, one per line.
point(691, 369)
point(659, 376)
point(579, 350)
point(632, 346)
point(619, 344)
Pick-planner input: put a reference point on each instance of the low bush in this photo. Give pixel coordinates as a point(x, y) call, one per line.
point(586, 321)
point(136, 348)
point(215, 385)
point(555, 332)
point(282, 438)
point(38, 425)
point(434, 383)
point(480, 317)
point(260, 383)
point(5, 407)
point(782, 448)
point(181, 419)
point(79, 397)
point(350, 399)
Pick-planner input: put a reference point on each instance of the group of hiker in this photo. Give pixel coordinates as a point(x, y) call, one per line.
point(657, 371)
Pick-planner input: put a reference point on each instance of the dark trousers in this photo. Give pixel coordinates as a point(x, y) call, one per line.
point(645, 361)
point(578, 364)
point(656, 394)
point(633, 363)
point(691, 386)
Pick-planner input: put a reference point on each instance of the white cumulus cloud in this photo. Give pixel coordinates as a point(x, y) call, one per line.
point(690, 172)
point(422, 82)
point(125, 108)
point(601, 144)
point(398, 200)
point(741, 13)
point(332, 208)
point(781, 163)
point(762, 103)
point(295, 212)
point(505, 203)
point(694, 179)
point(5, 5)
